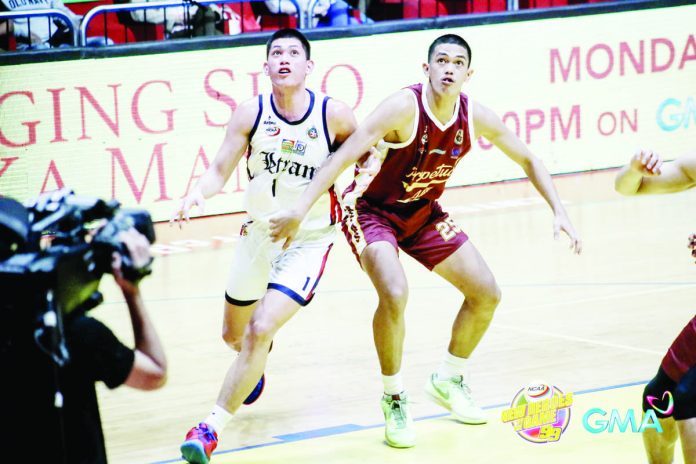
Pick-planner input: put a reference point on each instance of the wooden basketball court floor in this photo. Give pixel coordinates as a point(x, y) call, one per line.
point(596, 325)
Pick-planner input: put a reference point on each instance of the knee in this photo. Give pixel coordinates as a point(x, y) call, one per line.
point(487, 299)
point(260, 332)
point(393, 298)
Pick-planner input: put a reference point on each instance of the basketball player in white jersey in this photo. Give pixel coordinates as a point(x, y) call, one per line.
point(290, 134)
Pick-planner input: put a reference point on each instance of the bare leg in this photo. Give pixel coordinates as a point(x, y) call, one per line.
point(660, 446)
point(466, 270)
point(381, 262)
point(687, 433)
point(273, 311)
point(234, 323)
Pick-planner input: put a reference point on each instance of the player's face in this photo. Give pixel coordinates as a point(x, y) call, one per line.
point(448, 68)
point(287, 63)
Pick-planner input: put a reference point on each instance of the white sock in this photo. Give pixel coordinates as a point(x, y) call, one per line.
point(218, 419)
point(393, 384)
point(452, 366)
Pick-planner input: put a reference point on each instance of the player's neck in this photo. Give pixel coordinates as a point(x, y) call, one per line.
point(441, 106)
point(291, 102)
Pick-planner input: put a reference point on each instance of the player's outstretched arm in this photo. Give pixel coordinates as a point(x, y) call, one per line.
point(392, 114)
point(489, 125)
point(646, 173)
point(228, 155)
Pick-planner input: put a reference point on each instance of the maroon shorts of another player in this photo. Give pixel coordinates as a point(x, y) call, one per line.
point(424, 231)
point(681, 356)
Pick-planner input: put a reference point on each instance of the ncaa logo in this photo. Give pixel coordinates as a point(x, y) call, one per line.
point(272, 131)
point(537, 391)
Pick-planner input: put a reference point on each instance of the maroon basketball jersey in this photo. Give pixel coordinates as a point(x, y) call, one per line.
point(416, 171)
point(681, 356)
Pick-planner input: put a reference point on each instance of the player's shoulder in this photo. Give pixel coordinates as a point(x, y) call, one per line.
point(401, 101)
point(338, 110)
point(245, 115)
point(250, 106)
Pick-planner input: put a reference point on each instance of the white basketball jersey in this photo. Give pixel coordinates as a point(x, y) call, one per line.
point(284, 157)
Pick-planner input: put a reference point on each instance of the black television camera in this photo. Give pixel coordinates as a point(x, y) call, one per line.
point(53, 253)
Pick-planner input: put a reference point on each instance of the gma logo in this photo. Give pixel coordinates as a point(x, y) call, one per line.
point(594, 421)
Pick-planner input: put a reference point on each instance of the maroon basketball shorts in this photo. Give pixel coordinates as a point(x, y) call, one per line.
point(424, 232)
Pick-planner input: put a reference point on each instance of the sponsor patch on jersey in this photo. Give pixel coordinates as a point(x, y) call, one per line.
point(269, 121)
point(459, 137)
point(455, 152)
point(292, 147)
point(272, 131)
point(312, 133)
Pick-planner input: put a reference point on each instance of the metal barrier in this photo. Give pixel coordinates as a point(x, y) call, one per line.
point(48, 13)
point(186, 4)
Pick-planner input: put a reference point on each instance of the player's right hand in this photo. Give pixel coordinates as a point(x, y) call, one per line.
point(194, 198)
point(284, 226)
point(647, 163)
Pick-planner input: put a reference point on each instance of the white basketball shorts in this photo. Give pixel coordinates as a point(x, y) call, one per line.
point(260, 264)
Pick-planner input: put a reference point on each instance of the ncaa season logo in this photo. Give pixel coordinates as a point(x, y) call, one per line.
point(539, 413)
point(312, 133)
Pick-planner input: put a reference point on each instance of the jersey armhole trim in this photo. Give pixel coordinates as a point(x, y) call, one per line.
point(258, 118)
point(326, 123)
point(416, 117)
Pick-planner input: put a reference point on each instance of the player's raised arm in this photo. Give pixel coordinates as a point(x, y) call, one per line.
point(646, 173)
point(490, 126)
point(394, 114)
point(228, 155)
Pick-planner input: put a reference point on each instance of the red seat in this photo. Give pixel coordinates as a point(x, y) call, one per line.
point(542, 3)
point(273, 22)
point(247, 16)
point(435, 8)
point(119, 26)
point(424, 9)
point(485, 6)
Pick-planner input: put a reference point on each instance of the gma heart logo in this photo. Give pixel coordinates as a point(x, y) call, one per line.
point(670, 403)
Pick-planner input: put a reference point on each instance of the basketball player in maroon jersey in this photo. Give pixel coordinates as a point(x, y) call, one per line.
point(677, 373)
point(425, 130)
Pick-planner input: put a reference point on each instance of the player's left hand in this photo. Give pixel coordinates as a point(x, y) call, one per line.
point(284, 225)
point(692, 245)
point(562, 223)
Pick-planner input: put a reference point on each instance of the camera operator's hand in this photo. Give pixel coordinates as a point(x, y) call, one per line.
point(139, 251)
point(150, 365)
point(194, 198)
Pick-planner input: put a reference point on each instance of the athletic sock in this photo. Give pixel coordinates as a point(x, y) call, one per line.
point(393, 384)
point(218, 419)
point(452, 366)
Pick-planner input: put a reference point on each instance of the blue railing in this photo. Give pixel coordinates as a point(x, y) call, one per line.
point(186, 4)
point(48, 14)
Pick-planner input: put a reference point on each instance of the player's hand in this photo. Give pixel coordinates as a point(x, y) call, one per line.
point(194, 198)
point(370, 163)
point(562, 223)
point(692, 245)
point(647, 163)
point(284, 225)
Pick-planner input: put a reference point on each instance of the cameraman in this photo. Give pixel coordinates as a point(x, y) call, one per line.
point(66, 426)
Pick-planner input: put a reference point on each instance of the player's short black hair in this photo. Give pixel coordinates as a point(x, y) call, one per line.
point(285, 34)
point(449, 39)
